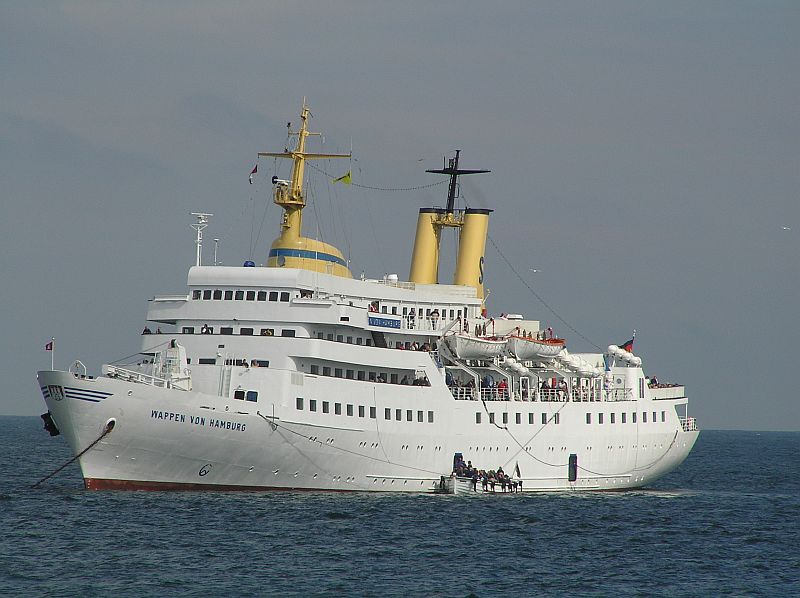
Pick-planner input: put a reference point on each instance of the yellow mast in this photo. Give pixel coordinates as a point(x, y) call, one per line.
point(291, 249)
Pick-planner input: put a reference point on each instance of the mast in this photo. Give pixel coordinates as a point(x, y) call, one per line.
point(453, 170)
point(289, 194)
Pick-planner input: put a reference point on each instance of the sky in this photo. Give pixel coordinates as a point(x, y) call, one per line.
point(645, 162)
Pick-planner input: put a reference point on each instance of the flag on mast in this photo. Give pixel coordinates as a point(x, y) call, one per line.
point(49, 346)
point(253, 173)
point(346, 178)
point(628, 346)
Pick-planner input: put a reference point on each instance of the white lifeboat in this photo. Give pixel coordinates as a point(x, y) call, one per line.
point(466, 346)
point(525, 349)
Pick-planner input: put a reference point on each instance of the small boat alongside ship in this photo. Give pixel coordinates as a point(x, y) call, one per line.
point(296, 375)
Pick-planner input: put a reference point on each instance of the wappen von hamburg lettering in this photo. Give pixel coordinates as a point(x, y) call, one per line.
point(169, 416)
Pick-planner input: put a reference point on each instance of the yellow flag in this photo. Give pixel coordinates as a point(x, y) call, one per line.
point(346, 178)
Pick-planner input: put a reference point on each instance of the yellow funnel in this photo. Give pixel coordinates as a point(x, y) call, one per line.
point(425, 258)
point(471, 249)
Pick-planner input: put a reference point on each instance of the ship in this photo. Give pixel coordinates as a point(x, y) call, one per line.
point(296, 375)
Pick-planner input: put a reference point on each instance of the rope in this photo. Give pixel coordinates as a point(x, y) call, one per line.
point(379, 188)
point(108, 428)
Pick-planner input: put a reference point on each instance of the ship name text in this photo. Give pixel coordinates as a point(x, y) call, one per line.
point(181, 418)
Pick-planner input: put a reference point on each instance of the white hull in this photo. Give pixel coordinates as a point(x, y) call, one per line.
point(171, 439)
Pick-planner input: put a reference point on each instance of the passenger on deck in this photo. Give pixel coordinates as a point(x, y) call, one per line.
point(502, 389)
point(404, 381)
point(146, 330)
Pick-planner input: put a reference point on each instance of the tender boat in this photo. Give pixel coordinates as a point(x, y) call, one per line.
point(525, 348)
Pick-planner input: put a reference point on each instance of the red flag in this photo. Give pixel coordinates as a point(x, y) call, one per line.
point(253, 173)
point(49, 346)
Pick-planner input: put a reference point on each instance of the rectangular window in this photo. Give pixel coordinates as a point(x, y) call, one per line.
point(287, 332)
point(641, 388)
point(337, 408)
point(251, 295)
point(387, 413)
point(409, 416)
point(358, 340)
point(368, 342)
point(349, 340)
point(337, 372)
point(477, 417)
point(239, 295)
point(188, 329)
point(430, 417)
point(519, 418)
point(238, 395)
point(350, 374)
point(644, 417)
point(633, 417)
point(312, 405)
point(420, 416)
point(599, 418)
point(398, 414)
point(315, 369)
point(372, 411)
point(326, 407)
point(260, 363)
point(228, 295)
point(262, 296)
point(207, 294)
point(505, 418)
point(624, 417)
point(491, 418)
point(273, 295)
point(362, 375)
point(349, 410)
point(557, 418)
point(207, 361)
point(654, 420)
point(339, 338)
point(218, 294)
point(530, 418)
point(588, 418)
point(394, 379)
point(267, 332)
point(299, 402)
point(320, 336)
point(544, 419)
point(285, 297)
point(246, 331)
point(330, 336)
point(361, 411)
point(372, 376)
point(252, 396)
point(663, 416)
point(226, 330)
point(394, 310)
point(613, 418)
point(196, 294)
point(326, 370)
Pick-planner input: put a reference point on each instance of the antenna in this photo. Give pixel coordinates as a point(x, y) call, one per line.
point(453, 170)
point(216, 247)
point(202, 223)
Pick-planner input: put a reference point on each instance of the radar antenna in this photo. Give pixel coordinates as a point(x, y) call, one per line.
point(453, 170)
point(202, 223)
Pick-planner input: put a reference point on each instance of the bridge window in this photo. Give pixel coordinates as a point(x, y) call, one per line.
point(287, 332)
point(285, 297)
point(228, 295)
point(207, 361)
point(246, 331)
point(226, 330)
point(207, 294)
point(251, 295)
point(252, 396)
point(273, 295)
point(239, 295)
point(196, 294)
point(218, 294)
point(262, 295)
point(238, 395)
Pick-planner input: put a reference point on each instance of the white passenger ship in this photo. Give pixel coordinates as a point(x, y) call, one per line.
point(295, 375)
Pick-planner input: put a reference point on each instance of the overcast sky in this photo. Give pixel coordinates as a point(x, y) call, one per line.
point(645, 159)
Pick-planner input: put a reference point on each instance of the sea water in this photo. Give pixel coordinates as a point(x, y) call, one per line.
point(725, 523)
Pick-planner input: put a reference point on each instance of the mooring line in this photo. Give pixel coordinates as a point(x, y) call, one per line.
point(108, 428)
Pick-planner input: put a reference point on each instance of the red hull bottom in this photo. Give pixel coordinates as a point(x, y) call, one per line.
point(103, 484)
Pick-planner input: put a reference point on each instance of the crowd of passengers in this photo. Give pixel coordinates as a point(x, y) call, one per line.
point(489, 480)
point(498, 391)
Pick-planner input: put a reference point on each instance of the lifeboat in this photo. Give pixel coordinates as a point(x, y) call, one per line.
point(466, 346)
point(531, 348)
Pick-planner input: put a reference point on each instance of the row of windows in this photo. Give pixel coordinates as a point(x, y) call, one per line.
point(350, 411)
point(252, 363)
point(350, 374)
point(555, 418)
point(230, 295)
point(624, 418)
point(228, 330)
point(340, 338)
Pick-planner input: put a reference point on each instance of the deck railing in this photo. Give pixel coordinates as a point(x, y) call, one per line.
point(689, 424)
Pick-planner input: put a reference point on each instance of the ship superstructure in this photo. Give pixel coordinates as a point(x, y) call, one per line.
point(295, 375)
